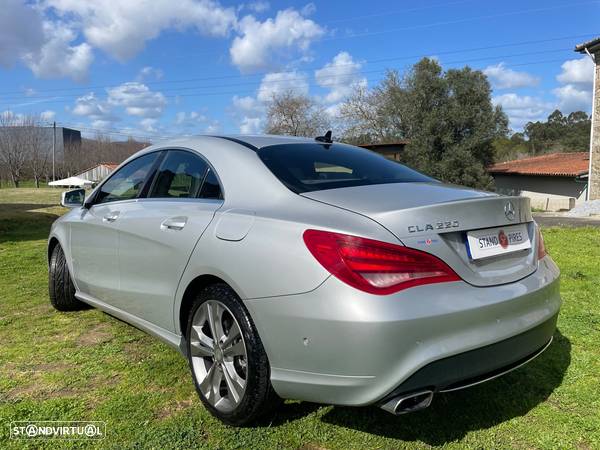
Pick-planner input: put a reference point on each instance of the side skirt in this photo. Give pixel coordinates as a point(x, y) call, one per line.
point(168, 337)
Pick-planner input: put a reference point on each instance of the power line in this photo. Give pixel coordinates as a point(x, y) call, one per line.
point(372, 61)
point(463, 20)
point(67, 98)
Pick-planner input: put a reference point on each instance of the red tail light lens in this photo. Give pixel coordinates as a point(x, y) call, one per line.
point(373, 266)
point(541, 247)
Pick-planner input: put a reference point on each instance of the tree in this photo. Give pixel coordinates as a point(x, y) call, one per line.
point(13, 147)
point(295, 115)
point(374, 115)
point(448, 117)
point(559, 133)
point(38, 149)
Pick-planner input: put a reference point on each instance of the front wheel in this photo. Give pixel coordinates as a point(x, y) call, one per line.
point(60, 286)
point(227, 359)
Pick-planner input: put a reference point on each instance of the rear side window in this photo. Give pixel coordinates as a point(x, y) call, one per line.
point(315, 167)
point(180, 176)
point(128, 181)
point(211, 187)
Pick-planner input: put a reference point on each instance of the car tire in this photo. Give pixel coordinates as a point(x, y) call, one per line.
point(251, 368)
point(60, 284)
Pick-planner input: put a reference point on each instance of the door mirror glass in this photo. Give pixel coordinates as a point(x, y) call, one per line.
point(73, 199)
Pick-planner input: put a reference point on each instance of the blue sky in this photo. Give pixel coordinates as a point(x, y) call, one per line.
point(160, 68)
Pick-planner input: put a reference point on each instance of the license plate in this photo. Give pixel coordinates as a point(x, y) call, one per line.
point(497, 241)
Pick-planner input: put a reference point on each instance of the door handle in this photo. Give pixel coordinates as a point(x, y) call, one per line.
point(174, 223)
point(111, 217)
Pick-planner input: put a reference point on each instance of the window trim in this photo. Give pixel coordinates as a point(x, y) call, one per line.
point(92, 201)
point(209, 166)
point(143, 194)
point(165, 156)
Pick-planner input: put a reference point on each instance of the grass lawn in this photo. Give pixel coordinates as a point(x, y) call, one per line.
point(89, 366)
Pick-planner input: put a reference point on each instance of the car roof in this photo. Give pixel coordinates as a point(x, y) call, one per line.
point(264, 140)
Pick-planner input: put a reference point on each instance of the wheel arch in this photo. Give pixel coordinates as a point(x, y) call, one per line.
point(187, 300)
point(52, 243)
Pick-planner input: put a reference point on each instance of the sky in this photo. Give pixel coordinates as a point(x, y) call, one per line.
point(155, 69)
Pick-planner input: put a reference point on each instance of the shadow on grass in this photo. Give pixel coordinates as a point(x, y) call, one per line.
point(452, 415)
point(24, 221)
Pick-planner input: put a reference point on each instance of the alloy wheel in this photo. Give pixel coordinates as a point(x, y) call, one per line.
point(219, 355)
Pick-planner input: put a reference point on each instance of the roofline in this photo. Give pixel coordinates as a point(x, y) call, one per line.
point(385, 144)
point(539, 174)
point(592, 46)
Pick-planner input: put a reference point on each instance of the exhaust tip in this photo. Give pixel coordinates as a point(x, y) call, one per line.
point(405, 404)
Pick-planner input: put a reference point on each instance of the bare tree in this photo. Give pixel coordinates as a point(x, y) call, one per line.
point(375, 115)
point(13, 148)
point(38, 148)
point(296, 115)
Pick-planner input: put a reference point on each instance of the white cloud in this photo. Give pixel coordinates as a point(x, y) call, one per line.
point(189, 120)
point(577, 71)
point(261, 42)
point(21, 31)
point(277, 83)
point(573, 98)
point(249, 112)
point(48, 116)
point(503, 77)
point(257, 7)
point(251, 125)
point(522, 109)
point(94, 109)
point(148, 125)
point(121, 28)
point(57, 58)
point(150, 73)
point(137, 99)
point(340, 76)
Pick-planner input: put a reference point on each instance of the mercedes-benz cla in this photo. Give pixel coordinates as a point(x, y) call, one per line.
point(306, 269)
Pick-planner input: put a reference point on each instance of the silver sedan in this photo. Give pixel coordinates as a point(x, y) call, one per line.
point(307, 269)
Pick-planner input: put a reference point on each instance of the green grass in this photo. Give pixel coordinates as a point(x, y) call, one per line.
point(89, 366)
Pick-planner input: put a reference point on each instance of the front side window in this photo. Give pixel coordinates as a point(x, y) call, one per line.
point(180, 176)
point(127, 182)
point(314, 167)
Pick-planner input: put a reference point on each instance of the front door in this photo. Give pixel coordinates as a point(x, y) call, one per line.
point(95, 235)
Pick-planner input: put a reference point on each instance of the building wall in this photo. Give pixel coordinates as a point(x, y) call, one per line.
point(595, 169)
point(95, 174)
point(552, 186)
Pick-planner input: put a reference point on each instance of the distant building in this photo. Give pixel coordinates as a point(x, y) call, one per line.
point(97, 173)
point(391, 150)
point(66, 139)
point(553, 182)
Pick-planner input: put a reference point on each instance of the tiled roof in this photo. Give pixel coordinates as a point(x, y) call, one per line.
point(554, 164)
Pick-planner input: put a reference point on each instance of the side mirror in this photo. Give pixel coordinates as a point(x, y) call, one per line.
point(73, 199)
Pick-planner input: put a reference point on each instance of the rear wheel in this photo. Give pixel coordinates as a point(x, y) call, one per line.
point(227, 359)
point(60, 285)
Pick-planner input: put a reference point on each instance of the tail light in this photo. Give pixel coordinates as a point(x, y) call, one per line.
point(541, 247)
point(373, 266)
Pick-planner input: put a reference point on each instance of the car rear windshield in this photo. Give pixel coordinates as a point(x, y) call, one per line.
point(315, 167)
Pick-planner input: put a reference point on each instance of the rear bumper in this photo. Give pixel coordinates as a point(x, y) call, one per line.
point(480, 365)
point(341, 346)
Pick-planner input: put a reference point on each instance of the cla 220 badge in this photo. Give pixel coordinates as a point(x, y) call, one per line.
point(433, 226)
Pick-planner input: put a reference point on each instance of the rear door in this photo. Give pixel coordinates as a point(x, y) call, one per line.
point(158, 233)
point(94, 234)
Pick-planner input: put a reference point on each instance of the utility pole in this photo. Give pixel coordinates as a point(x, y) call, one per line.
point(53, 148)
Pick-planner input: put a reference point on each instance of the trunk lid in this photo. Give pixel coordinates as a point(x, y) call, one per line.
point(436, 217)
